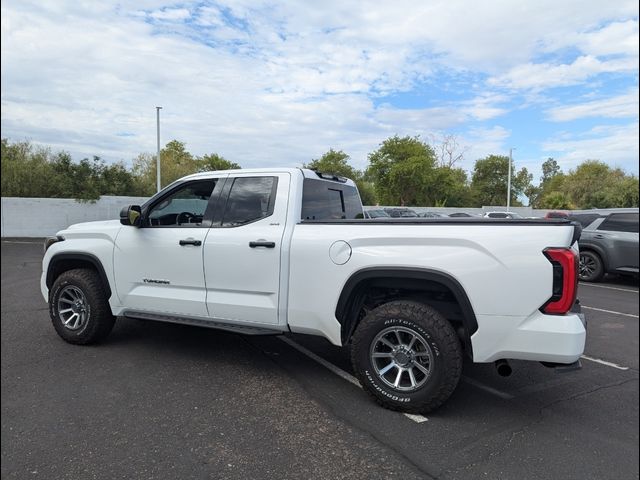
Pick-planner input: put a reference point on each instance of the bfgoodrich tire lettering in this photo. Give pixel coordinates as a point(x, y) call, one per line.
point(79, 308)
point(426, 344)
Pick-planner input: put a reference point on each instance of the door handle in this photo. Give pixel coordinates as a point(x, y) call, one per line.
point(190, 241)
point(598, 236)
point(262, 243)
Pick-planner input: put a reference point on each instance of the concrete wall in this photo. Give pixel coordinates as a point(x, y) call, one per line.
point(41, 217)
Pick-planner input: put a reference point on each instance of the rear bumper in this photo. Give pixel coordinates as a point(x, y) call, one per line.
point(539, 337)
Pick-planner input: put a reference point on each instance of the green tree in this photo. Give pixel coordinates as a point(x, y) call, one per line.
point(26, 171)
point(489, 181)
point(367, 192)
point(448, 188)
point(212, 161)
point(175, 162)
point(62, 175)
point(550, 169)
point(402, 169)
point(532, 192)
point(593, 184)
point(551, 173)
point(86, 177)
point(116, 179)
point(545, 197)
point(626, 195)
point(144, 173)
point(29, 171)
point(336, 162)
point(557, 200)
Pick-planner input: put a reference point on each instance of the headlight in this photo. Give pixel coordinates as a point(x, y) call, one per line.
point(51, 240)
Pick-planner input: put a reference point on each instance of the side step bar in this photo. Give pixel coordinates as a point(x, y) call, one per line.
point(202, 322)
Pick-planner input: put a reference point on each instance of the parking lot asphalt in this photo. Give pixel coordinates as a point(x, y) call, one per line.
point(169, 401)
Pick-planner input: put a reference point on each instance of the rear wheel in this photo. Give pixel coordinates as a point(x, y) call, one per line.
point(407, 356)
point(591, 266)
point(79, 308)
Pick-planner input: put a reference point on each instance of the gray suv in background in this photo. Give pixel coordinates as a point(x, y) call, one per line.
point(609, 243)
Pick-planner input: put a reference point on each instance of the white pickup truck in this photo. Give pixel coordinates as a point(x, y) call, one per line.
point(288, 250)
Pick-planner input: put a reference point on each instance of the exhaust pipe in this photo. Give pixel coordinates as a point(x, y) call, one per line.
point(503, 368)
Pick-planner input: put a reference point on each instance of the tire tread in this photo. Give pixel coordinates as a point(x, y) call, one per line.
point(447, 340)
point(101, 320)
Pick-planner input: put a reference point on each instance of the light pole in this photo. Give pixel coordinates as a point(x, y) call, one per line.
point(509, 179)
point(159, 186)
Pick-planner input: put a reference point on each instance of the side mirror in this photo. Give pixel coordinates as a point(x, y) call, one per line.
point(131, 215)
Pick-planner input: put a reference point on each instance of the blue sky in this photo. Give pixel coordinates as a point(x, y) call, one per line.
point(279, 83)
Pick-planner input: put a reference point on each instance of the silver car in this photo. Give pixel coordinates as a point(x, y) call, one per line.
point(609, 244)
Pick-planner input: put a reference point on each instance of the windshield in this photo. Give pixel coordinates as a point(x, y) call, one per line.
point(377, 213)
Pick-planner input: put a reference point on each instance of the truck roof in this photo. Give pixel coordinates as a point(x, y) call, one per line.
point(306, 173)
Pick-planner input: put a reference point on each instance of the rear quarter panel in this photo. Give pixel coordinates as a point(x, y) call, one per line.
point(501, 267)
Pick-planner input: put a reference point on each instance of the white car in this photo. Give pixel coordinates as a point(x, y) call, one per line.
point(287, 250)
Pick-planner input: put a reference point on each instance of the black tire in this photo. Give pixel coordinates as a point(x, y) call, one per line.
point(441, 346)
point(591, 267)
point(94, 321)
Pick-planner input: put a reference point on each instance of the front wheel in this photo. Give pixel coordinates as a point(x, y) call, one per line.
point(79, 308)
point(407, 356)
point(591, 267)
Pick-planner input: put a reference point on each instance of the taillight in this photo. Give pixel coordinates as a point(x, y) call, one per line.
point(565, 280)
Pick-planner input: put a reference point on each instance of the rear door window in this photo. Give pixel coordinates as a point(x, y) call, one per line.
point(620, 222)
point(250, 199)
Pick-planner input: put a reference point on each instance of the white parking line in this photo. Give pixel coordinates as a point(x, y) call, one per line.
point(487, 388)
point(610, 311)
point(603, 362)
point(416, 418)
point(338, 371)
point(609, 288)
point(16, 241)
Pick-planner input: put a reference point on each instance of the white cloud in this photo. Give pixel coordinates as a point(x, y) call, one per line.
point(486, 35)
point(485, 107)
point(170, 14)
point(278, 84)
point(482, 142)
point(620, 106)
point(615, 145)
point(617, 38)
point(548, 75)
point(419, 120)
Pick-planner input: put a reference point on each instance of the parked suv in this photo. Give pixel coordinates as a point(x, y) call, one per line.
point(376, 213)
point(609, 244)
point(400, 212)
